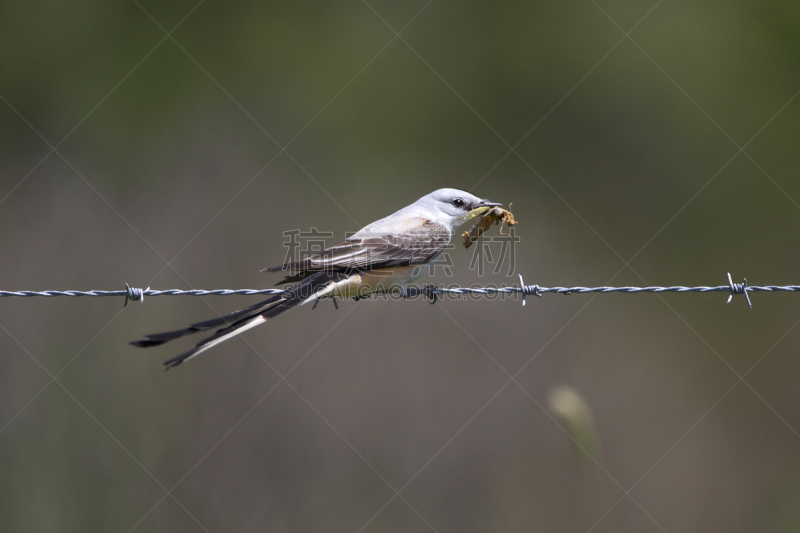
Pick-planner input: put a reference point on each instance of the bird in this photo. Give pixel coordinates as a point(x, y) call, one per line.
point(383, 256)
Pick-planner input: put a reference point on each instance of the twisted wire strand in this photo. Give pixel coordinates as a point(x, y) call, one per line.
point(137, 294)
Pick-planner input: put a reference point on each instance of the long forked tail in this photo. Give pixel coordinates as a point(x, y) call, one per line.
point(244, 319)
point(157, 339)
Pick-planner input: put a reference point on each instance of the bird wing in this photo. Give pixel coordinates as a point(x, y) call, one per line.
point(416, 244)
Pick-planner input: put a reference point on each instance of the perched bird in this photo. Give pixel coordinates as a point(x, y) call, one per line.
point(382, 256)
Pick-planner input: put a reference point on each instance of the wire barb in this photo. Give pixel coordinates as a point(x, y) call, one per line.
point(432, 293)
point(133, 294)
point(530, 289)
point(738, 288)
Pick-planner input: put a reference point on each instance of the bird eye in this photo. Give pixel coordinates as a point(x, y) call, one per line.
point(458, 202)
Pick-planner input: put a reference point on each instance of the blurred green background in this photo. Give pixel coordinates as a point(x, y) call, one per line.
point(666, 157)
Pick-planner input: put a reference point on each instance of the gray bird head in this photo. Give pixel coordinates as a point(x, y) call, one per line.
point(452, 206)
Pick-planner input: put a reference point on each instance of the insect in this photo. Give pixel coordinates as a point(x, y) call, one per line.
point(493, 215)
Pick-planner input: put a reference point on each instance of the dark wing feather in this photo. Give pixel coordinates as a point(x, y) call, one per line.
point(374, 252)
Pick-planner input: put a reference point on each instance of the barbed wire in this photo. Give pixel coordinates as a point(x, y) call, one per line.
point(432, 291)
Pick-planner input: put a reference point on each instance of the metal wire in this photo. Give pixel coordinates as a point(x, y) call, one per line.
point(136, 294)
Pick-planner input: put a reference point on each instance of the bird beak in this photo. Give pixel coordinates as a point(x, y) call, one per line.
point(486, 203)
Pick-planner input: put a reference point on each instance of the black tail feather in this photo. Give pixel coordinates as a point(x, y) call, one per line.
point(157, 339)
point(243, 324)
point(218, 336)
point(243, 319)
